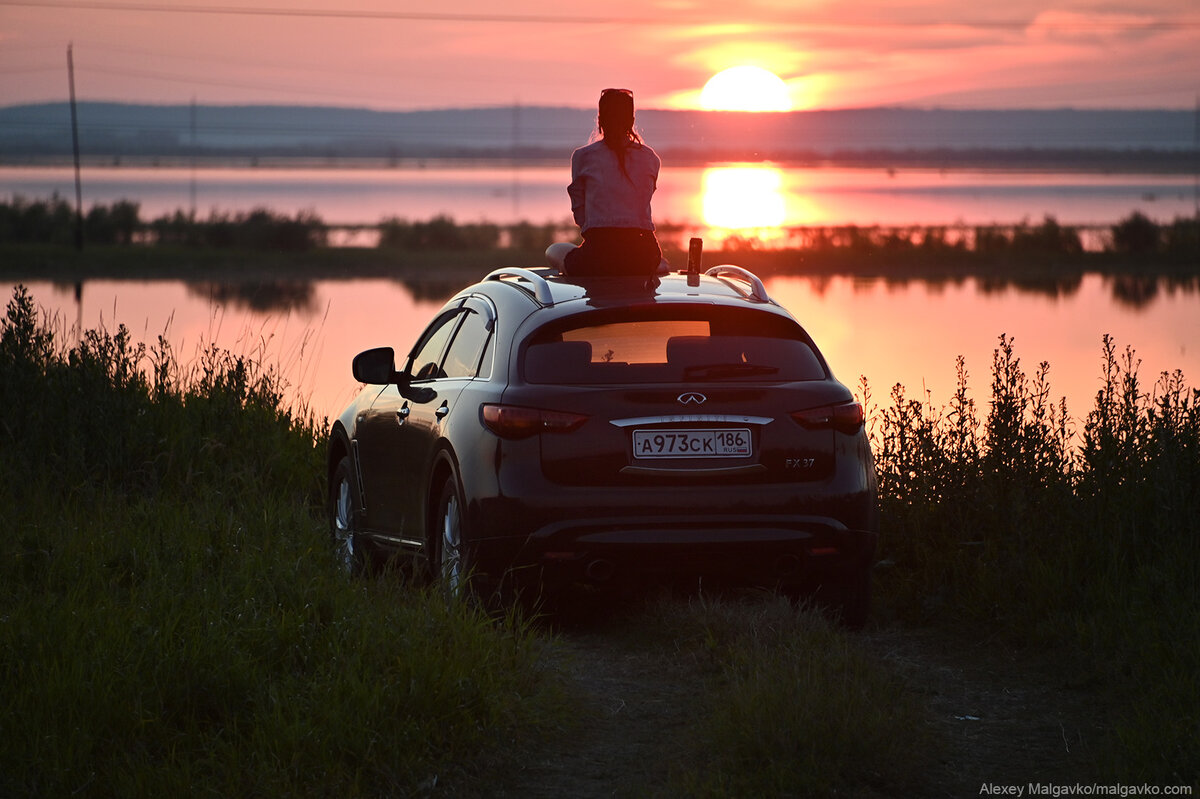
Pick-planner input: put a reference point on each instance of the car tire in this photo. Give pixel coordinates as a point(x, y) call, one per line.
point(451, 563)
point(344, 521)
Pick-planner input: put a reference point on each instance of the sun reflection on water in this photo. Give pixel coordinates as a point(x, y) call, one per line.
point(744, 200)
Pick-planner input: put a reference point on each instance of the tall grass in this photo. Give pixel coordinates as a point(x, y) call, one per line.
point(1078, 535)
point(171, 618)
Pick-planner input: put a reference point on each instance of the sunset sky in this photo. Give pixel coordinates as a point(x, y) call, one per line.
point(407, 55)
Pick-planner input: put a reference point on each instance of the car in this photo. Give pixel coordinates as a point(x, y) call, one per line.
point(547, 430)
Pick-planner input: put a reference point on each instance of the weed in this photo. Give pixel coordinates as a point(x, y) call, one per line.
point(1081, 540)
point(171, 620)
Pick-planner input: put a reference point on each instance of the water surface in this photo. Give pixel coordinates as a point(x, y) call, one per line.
point(729, 196)
point(909, 333)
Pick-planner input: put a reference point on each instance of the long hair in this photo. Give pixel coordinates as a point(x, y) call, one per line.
point(615, 120)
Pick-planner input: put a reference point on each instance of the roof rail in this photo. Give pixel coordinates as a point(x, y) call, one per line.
point(540, 290)
point(757, 290)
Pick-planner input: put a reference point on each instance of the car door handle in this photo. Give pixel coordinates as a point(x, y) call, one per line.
point(442, 411)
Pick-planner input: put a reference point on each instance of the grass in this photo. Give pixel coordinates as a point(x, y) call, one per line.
point(1076, 538)
point(171, 618)
point(794, 705)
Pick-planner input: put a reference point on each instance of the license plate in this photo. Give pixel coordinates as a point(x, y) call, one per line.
point(723, 443)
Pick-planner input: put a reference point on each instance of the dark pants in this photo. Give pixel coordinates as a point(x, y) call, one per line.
point(615, 251)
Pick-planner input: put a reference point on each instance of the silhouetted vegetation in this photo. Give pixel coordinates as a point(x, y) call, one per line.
point(258, 229)
point(527, 236)
point(43, 222)
point(52, 222)
point(1137, 235)
point(439, 233)
point(1020, 521)
point(171, 620)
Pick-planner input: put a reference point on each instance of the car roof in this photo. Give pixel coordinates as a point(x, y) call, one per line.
point(725, 285)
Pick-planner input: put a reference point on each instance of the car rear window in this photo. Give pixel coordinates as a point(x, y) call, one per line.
point(706, 345)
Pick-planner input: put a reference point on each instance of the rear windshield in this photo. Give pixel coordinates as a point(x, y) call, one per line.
point(701, 345)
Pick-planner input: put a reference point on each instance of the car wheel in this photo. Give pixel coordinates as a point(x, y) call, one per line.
point(451, 563)
point(343, 520)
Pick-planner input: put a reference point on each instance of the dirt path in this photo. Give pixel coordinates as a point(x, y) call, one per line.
point(637, 708)
point(1003, 721)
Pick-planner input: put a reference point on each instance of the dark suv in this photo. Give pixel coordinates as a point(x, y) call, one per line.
point(609, 429)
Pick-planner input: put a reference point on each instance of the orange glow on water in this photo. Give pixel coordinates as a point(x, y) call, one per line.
point(743, 197)
point(810, 195)
point(907, 333)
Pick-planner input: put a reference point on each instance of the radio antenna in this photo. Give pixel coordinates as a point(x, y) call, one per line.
point(695, 256)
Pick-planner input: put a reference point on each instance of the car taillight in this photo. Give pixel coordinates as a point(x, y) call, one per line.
point(514, 421)
point(845, 418)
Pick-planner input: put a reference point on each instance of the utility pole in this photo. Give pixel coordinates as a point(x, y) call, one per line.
point(192, 183)
point(516, 145)
point(75, 144)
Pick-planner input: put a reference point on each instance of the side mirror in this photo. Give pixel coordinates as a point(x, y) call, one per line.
point(376, 367)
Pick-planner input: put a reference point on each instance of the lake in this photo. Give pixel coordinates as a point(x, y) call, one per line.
point(711, 200)
point(909, 333)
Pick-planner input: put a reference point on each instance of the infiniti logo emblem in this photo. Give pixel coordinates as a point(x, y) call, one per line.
point(692, 398)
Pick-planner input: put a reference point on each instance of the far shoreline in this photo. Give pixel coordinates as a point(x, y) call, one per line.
point(1133, 161)
point(65, 264)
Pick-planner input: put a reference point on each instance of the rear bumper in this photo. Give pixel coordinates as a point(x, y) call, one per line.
point(770, 549)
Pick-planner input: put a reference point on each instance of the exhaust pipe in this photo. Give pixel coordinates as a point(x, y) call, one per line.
point(600, 570)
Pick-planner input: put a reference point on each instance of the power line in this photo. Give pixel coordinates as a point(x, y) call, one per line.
point(327, 13)
point(1074, 23)
point(206, 59)
point(168, 78)
point(247, 86)
point(442, 76)
point(4, 73)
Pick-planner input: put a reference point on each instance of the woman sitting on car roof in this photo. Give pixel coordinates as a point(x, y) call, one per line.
point(612, 180)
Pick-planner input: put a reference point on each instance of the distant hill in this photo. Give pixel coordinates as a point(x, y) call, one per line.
point(1161, 139)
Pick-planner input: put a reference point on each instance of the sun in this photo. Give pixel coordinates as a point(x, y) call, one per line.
point(745, 88)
